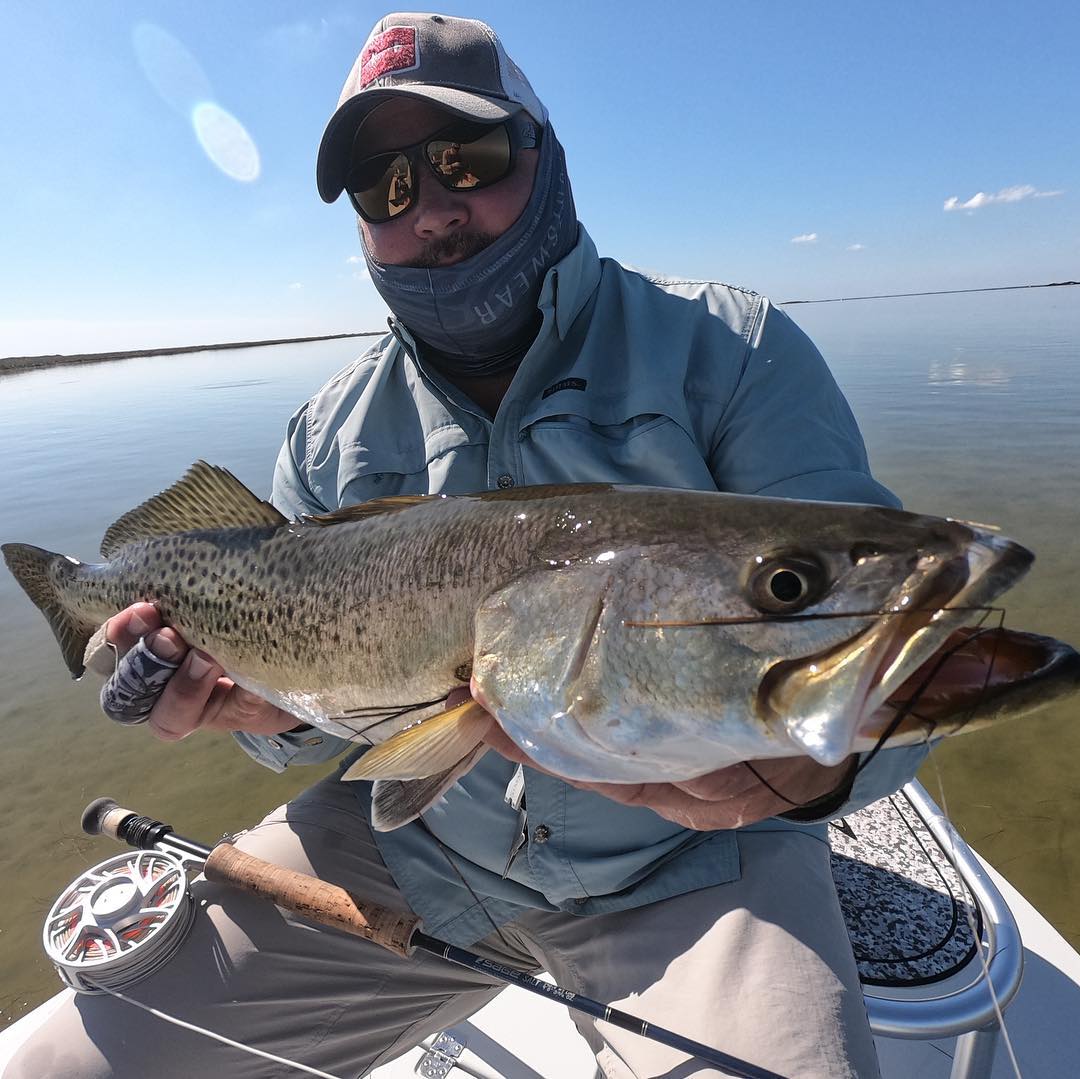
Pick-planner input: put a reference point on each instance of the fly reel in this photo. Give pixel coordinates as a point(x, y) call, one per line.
point(120, 921)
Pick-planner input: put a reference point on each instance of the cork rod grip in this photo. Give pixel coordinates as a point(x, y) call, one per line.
point(312, 898)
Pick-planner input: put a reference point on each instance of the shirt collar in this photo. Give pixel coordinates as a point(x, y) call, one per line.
point(570, 282)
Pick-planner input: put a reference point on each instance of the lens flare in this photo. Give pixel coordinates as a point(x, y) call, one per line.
point(225, 141)
point(180, 81)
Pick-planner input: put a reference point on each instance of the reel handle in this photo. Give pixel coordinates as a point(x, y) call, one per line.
point(103, 816)
point(312, 898)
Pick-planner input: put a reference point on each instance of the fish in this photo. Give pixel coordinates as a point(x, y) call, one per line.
point(617, 633)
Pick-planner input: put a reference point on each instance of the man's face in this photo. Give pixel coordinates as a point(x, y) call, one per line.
point(444, 226)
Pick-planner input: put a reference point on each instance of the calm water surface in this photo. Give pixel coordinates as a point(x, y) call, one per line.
point(970, 406)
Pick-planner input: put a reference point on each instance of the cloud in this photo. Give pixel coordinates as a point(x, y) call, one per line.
point(359, 268)
point(308, 39)
point(1017, 193)
point(805, 238)
point(856, 247)
point(296, 285)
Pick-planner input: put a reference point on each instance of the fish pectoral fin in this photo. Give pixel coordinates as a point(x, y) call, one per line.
point(426, 749)
point(395, 802)
point(207, 497)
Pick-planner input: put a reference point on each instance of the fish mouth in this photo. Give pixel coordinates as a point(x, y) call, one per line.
point(977, 677)
point(822, 701)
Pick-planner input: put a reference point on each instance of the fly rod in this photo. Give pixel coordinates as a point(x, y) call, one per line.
point(396, 931)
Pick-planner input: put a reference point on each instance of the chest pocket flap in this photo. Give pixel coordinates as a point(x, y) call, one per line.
point(637, 435)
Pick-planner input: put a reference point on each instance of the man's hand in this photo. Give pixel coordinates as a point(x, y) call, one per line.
point(728, 798)
point(197, 696)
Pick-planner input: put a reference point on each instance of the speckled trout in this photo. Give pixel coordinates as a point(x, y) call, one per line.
point(618, 634)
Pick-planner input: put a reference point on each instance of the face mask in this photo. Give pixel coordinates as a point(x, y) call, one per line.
point(479, 316)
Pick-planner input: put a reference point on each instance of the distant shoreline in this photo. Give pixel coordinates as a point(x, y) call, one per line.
point(14, 364)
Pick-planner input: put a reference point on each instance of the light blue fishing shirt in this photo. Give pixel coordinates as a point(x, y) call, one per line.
point(631, 379)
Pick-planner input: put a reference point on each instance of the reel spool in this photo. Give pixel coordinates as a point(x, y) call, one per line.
point(120, 921)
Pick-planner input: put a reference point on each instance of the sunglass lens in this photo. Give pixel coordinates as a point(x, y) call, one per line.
point(382, 186)
point(461, 165)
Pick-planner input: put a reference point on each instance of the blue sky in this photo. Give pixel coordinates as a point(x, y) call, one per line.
point(703, 139)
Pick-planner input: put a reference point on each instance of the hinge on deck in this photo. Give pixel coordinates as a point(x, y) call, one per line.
point(440, 1058)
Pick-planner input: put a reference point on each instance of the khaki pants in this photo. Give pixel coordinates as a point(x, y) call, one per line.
point(760, 968)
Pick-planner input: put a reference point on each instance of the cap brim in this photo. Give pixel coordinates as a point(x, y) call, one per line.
point(337, 141)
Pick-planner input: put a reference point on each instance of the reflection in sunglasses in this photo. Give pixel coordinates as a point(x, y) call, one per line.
point(463, 157)
point(400, 191)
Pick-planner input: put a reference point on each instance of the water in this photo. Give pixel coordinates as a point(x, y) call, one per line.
point(970, 406)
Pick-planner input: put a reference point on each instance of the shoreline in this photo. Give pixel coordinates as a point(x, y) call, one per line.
point(15, 364)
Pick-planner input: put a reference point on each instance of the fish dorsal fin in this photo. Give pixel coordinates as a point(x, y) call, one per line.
point(207, 497)
point(375, 507)
point(539, 492)
point(395, 503)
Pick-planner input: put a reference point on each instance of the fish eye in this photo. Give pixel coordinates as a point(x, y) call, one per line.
point(786, 584)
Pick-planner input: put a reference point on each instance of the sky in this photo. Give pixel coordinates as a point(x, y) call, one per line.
point(157, 159)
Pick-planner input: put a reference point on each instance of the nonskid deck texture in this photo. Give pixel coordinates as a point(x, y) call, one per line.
point(909, 913)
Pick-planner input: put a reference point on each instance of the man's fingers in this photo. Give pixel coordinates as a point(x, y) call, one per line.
point(133, 690)
point(179, 710)
point(176, 690)
point(232, 708)
point(130, 624)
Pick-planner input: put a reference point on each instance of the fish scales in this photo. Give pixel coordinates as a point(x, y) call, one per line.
point(617, 634)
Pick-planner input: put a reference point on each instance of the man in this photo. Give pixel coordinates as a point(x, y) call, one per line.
point(517, 356)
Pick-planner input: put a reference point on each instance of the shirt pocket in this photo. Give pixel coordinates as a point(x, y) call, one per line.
point(446, 462)
point(635, 438)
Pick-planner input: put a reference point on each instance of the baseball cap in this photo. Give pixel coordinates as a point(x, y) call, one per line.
point(459, 64)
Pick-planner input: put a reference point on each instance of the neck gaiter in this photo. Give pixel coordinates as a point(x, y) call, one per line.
point(479, 316)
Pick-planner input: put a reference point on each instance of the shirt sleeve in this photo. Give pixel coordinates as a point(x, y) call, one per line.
point(293, 497)
point(788, 432)
point(291, 493)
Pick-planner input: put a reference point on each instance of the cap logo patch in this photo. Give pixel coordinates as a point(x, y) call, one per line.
point(391, 51)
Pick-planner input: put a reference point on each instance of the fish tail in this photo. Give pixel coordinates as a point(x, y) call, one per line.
point(43, 576)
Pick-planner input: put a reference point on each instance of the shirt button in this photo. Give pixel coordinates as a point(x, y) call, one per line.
point(274, 742)
point(541, 833)
point(505, 480)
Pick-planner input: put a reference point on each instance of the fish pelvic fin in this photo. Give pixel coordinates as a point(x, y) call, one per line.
point(395, 802)
point(427, 748)
point(42, 576)
point(207, 497)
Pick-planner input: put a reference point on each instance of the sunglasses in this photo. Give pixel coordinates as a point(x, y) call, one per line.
point(464, 156)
